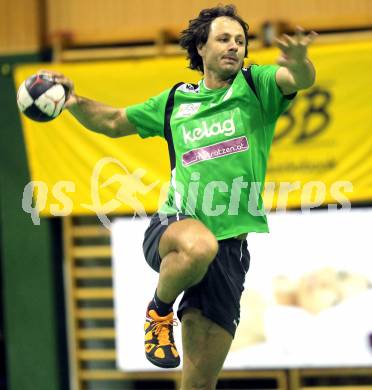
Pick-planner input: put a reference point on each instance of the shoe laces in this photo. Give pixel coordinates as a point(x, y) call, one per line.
point(162, 330)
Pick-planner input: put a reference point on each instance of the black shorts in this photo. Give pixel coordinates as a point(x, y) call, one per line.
point(218, 295)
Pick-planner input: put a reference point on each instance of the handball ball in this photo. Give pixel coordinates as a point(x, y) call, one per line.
point(40, 98)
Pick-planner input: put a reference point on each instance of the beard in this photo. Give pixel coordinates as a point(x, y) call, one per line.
point(227, 73)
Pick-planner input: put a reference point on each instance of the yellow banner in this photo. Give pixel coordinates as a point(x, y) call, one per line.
point(322, 152)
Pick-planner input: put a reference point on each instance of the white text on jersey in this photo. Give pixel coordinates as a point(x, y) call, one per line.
point(226, 128)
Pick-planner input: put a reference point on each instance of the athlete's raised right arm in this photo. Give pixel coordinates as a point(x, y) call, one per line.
point(95, 116)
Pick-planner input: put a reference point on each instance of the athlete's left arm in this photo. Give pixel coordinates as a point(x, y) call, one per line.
point(296, 70)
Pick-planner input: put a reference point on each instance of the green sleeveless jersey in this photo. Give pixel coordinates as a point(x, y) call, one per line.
point(219, 142)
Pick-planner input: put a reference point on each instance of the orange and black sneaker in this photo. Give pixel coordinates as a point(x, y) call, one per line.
point(159, 342)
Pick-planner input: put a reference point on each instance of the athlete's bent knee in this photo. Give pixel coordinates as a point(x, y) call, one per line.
point(201, 251)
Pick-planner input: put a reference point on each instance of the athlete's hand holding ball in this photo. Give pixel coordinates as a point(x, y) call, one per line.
point(43, 96)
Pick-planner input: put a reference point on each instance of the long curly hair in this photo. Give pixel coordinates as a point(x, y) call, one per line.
point(197, 33)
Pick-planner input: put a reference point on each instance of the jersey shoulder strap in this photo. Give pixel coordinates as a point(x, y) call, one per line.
point(167, 127)
point(247, 72)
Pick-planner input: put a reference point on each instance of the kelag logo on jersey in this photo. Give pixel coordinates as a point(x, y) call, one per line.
point(204, 131)
point(216, 127)
point(213, 137)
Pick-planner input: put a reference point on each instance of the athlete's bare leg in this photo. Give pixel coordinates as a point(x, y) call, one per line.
point(205, 347)
point(187, 248)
